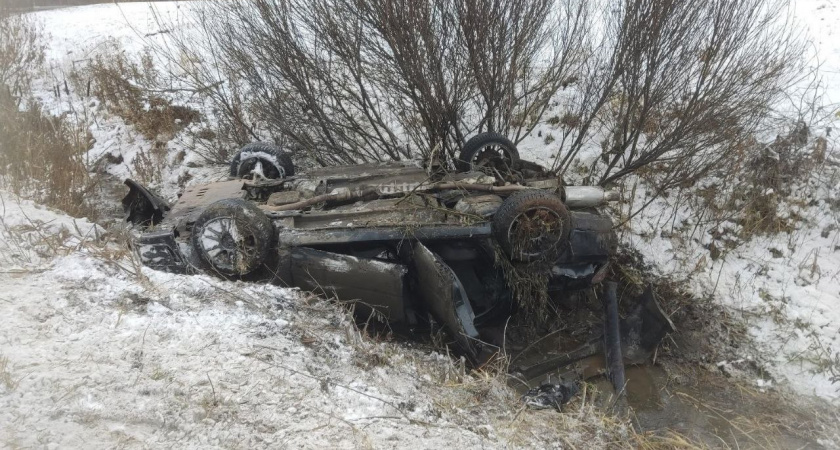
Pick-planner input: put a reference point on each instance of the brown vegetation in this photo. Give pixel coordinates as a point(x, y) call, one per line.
point(41, 156)
point(129, 89)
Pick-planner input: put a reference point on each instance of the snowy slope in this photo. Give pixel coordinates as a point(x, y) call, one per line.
point(785, 286)
point(76, 35)
point(819, 18)
point(790, 302)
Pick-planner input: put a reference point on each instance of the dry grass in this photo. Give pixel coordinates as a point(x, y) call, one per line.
point(133, 90)
point(21, 53)
point(480, 400)
point(6, 377)
point(41, 156)
point(754, 186)
point(529, 285)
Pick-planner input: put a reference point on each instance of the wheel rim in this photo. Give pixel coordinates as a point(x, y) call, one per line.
point(260, 168)
point(490, 153)
point(492, 158)
point(535, 232)
point(226, 247)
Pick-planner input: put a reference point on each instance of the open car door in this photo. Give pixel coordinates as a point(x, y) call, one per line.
point(446, 298)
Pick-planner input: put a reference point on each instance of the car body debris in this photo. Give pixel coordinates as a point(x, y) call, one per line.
point(550, 396)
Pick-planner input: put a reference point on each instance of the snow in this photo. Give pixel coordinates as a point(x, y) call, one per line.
point(30, 232)
point(77, 35)
point(819, 18)
point(791, 303)
point(104, 353)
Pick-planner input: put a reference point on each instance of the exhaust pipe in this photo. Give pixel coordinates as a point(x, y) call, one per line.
point(589, 196)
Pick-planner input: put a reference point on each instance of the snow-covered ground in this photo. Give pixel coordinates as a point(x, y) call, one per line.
point(99, 352)
point(76, 36)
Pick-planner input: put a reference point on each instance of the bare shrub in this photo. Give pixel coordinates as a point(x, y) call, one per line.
point(348, 81)
point(668, 84)
point(678, 86)
point(668, 90)
point(520, 54)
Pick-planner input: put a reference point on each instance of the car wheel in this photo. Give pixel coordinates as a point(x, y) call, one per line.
point(261, 158)
point(532, 225)
point(233, 237)
point(488, 152)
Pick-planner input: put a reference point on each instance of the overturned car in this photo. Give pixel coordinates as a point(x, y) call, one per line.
point(408, 241)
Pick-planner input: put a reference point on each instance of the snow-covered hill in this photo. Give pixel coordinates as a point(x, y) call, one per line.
point(98, 352)
point(791, 300)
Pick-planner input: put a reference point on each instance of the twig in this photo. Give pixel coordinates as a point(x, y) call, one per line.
point(215, 400)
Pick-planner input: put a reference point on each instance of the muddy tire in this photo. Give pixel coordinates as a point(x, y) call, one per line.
point(532, 225)
point(266, 158)
point(488, 151)
point(233, 237)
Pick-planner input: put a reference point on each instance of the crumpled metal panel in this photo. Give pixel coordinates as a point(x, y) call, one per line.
point(159, 250)
point(446, 298)
point(141, 206)
point(374, 284)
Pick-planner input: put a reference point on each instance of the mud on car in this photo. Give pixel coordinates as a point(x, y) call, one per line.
point(416, 244)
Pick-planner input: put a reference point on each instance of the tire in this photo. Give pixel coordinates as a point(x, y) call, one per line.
point(233, 237)
point(488, 149)
point(274, 162)
point(532, 225)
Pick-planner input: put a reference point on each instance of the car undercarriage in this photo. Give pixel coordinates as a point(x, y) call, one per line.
point(405, 242)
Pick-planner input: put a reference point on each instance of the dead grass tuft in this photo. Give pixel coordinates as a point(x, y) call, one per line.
point(43, 157)
point(131, 90)
point(6, 377)
point(757, 182)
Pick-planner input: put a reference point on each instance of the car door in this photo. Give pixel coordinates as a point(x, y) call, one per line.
point(445, 297)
